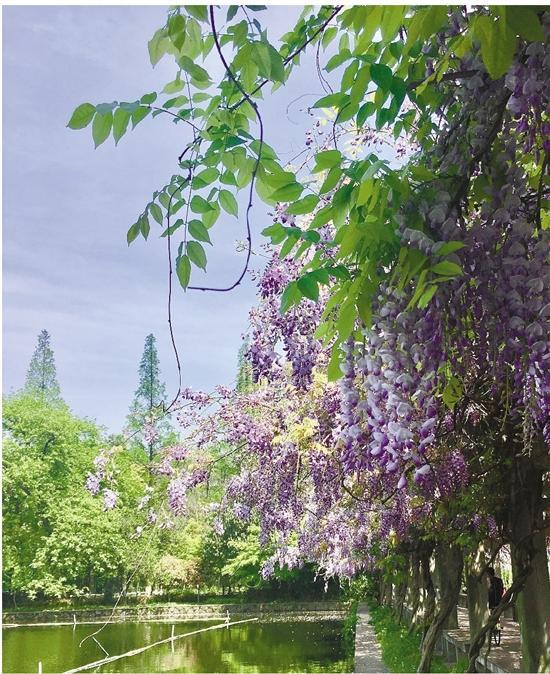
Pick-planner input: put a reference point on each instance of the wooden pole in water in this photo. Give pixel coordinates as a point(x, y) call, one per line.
point(40, 667)
point(74, 622)
point(172, 639)
point(137, 651)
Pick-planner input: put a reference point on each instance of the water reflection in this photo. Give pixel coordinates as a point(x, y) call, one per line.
point(251, 647)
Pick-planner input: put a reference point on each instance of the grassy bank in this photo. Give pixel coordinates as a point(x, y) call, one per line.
point(152, 604)
point(401, 650)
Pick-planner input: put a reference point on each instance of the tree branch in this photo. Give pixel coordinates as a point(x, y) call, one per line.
point(289, 58)
point(256, 166)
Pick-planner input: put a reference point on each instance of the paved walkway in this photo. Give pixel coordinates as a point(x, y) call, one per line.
point(368, 655)
point(503, 658)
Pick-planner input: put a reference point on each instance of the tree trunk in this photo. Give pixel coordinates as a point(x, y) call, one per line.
point(108, 590)
point(478, 610)
point(508, 599)
point(401, 591)
point(442, 580)
point(389, 594)
point(450, 562)
point(530, 571)
point(413, 594)
point(428, 591)
point(386, 593)
point(382, 590)
point(529, 553)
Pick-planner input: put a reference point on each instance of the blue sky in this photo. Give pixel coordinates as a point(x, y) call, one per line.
point(67, 208)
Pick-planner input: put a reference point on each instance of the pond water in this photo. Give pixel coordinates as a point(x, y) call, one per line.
point(250, 647)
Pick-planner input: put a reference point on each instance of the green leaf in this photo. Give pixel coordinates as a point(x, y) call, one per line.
point(175, 102)
point(101, 127)
point(169, 231)
point(176, 205)
point(334, 371)
point(147, 99)
point(366, 190)
point(139, 114)
point(498, 44)
point(338, 59)
point(424, 23)
point(309, 287)
point(303, 206)
point(196, 254)
point(327, 159)
point(206, 177)
point(199, 12)
point(347, 112)
point(525, 23)
point(277, 68)
point(130, 107)
point(174, 86)
point(328, 35)
point(332, 101)
point(144, 226)
point(164, 199)
point(392, 18)
point(156, 212)
point(176, 30)
point(183, 270)
point(287, 246)
point(289, 192)
point(365, 111)
point(427, 296)
point(200, 205)
point(157, 46)
point(198, 231)
point(339, 271)
point(381, 75)
point(320, 275)
point(276, 232)
point(196, 72)
point(370, 26)
point(260, 55)
point(103, 108)
point(322, 216)
point(267, 151)
point(449, 247)
point(331, 180)
point(82, 116)
point(420, 286)
point(228, 202)
point(312, 236)
point(346, 320)
point(120, 123)
point(360, 85)
point(452, 392)
point(291, 296)
point(447, 268)
point(133, 233)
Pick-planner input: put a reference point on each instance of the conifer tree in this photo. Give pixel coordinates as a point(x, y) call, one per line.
point(41, 378)
point(147, 423)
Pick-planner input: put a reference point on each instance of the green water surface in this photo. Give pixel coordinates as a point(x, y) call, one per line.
point(251, 647)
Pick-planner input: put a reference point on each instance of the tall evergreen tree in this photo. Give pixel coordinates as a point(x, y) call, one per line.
point(41, 378)
point(149, 427)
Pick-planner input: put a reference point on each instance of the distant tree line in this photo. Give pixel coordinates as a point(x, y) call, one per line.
point(59, 541)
